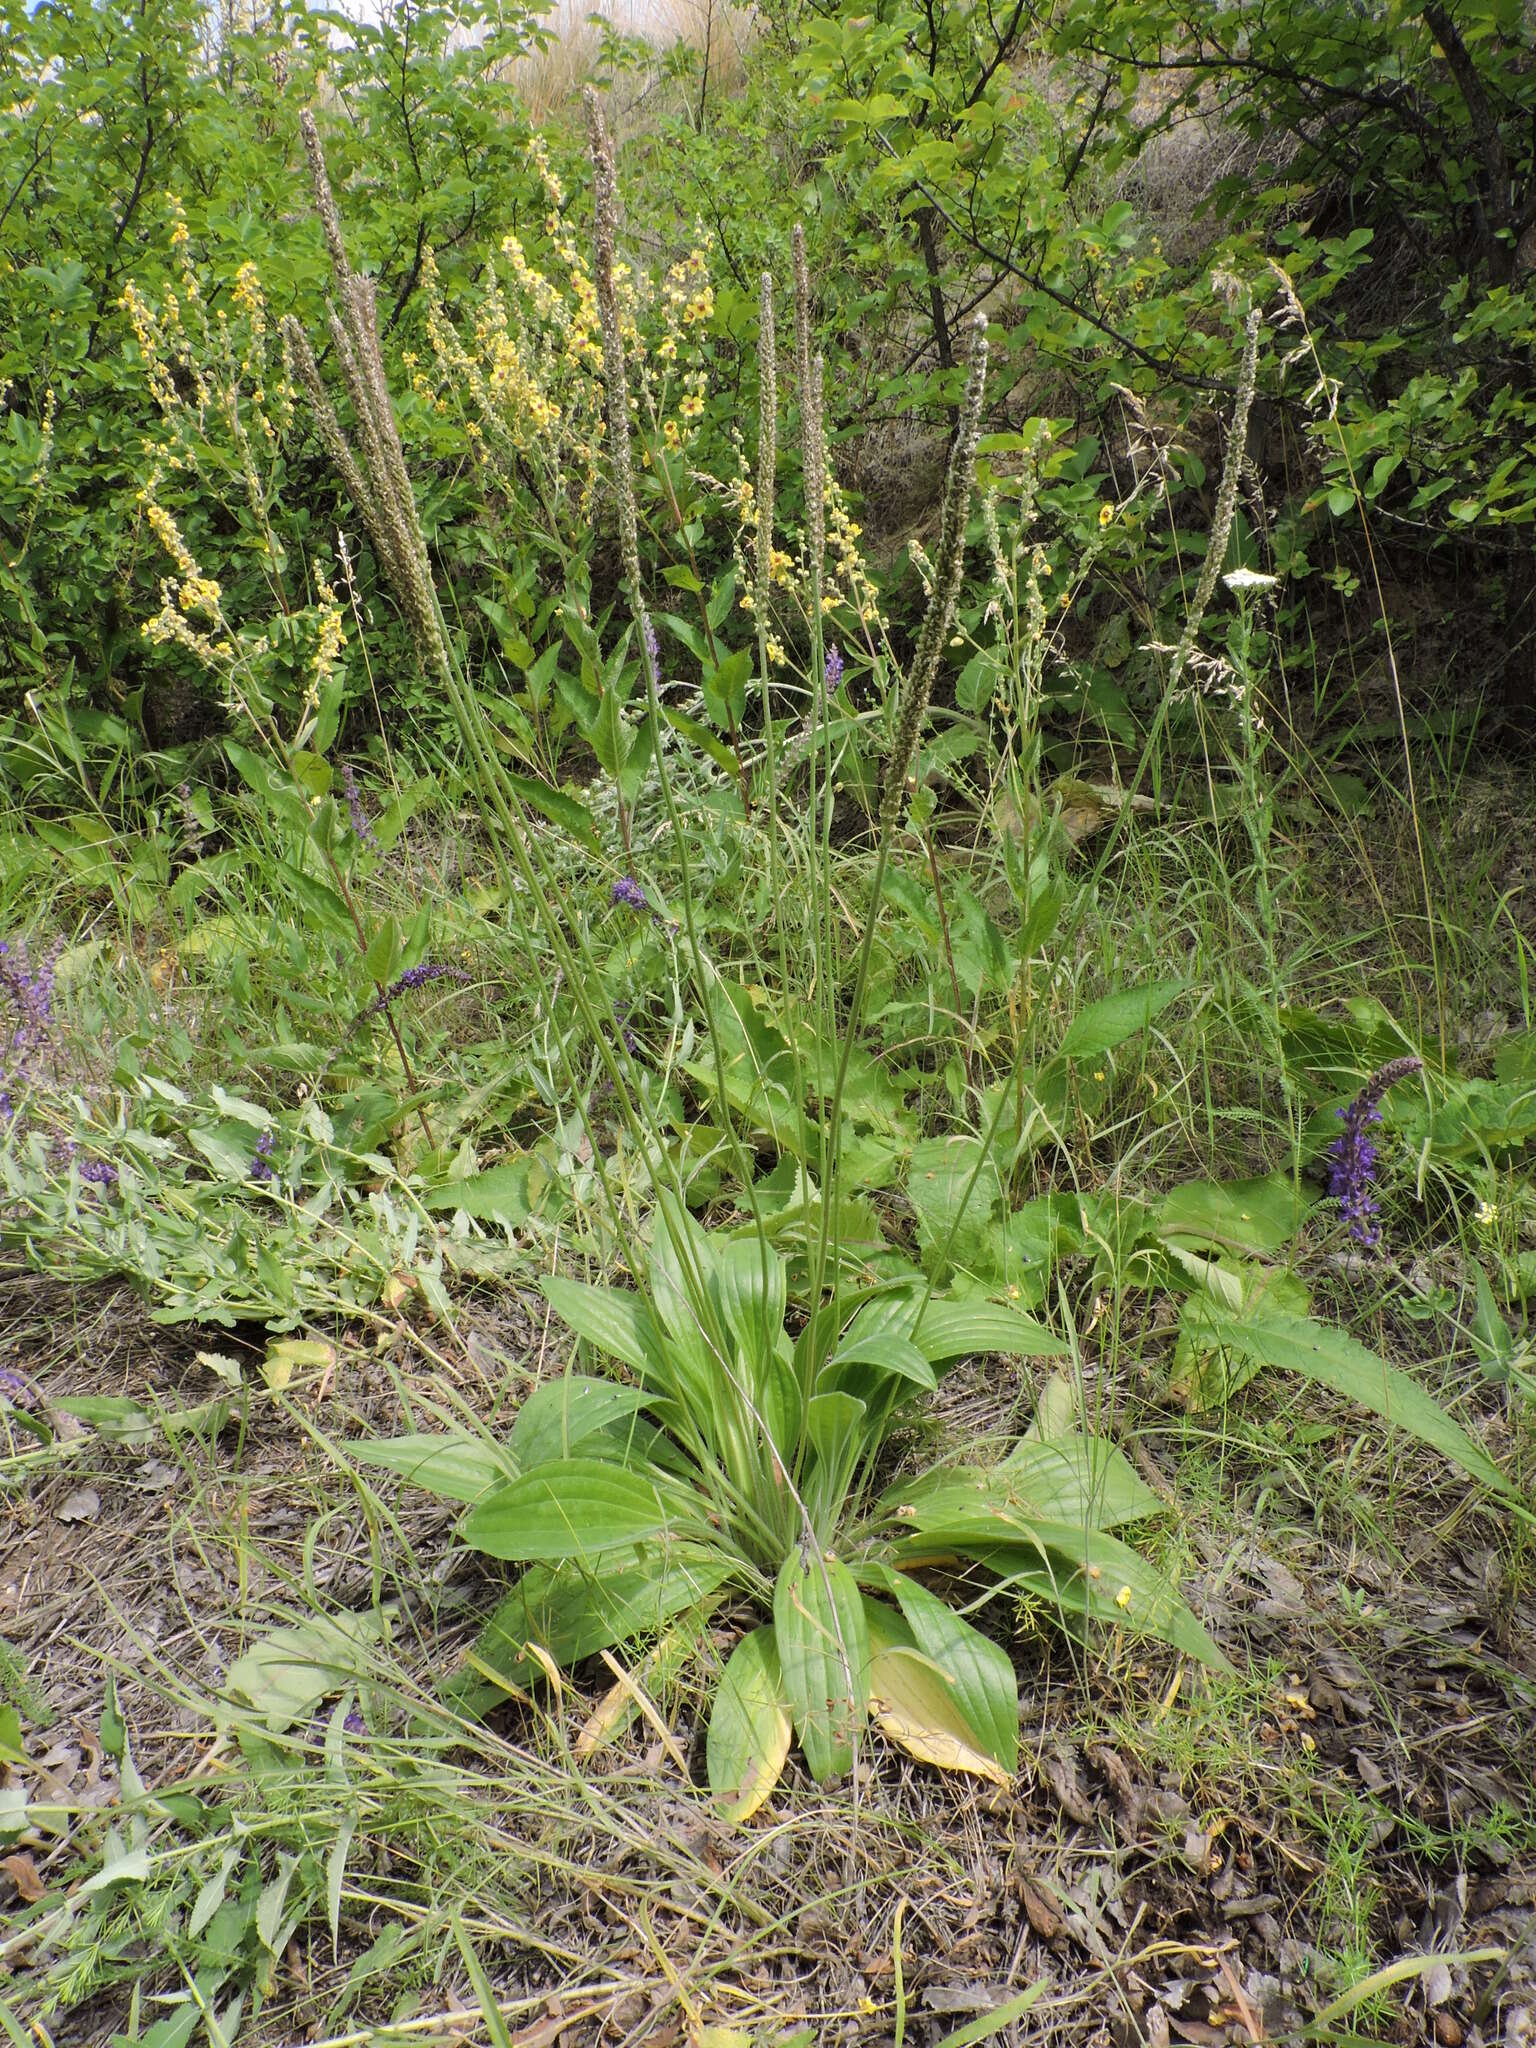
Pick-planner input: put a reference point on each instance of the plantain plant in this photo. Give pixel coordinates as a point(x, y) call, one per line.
point(740, 1467)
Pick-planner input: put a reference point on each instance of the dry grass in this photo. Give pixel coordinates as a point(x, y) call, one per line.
point(716, 33)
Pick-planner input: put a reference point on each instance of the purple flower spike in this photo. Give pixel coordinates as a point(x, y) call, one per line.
point(414, 978)
point(261, 1162)
point(1352, 1157)
point(832, 674)
point(652, 645)
point(99, 1172)
point(355, 811)
point(26, 1011)
point(627, 890)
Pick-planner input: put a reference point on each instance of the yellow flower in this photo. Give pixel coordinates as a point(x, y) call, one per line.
point(691, 406)
point(1485, 1215)
point(1106, 513)
point(776, 653)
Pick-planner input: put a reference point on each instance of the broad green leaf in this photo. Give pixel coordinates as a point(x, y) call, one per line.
point(1325, 1355)
point(508, 1192)
point(724, 687)
point(979, 1671)
point(1113, 1019)
point(954, 1202)
point(700, 736)
point(1204, 1373)
point(573, 1613)
point(752, 1292)
point(561, 1414)
point(616, 1321)
point(914, 1703)
point(285, 1675)
point(452, 1464)
point(1242, 1215)
point(887, 1353)
point(383, 951)
point(685, 1286)
point(576, 1508)
point(749, 1727)
point(834, 1422)
point(1092, 1574)
point(823, 1643)
point(951, 1329)
point(959, 1329)
point(120, 1865)
point(1079, 1479)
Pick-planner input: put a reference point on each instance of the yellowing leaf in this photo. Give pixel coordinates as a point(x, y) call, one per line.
point(914, 1705)
point(288, 1355)
point(750, 1727)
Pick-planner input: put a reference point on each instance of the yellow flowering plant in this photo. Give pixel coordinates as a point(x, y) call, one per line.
point(224, 390)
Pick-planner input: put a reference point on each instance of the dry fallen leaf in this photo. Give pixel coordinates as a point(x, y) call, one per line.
point(83, 1505)
point(1042, 1916)
point(23, 1873)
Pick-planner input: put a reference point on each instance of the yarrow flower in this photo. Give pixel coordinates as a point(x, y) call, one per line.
point(413, 978)
point(1352, 1157)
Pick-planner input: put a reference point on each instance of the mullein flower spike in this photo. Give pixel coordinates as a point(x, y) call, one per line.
point(605, 207)
point(948, 570)
point(1352, 1157)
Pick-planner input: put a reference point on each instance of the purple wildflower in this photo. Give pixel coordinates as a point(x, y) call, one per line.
point(26, 991)
point(652, 645)
point(100, 1173)
point(832, 674)
point(14, 1388)
point(355, 811)
point(261, 1162)
point(627, 890)
point(354, 1724)
point(414, 978)
point(1352, 1157)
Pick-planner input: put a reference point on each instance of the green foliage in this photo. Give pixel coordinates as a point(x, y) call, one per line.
point(763, 1486)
